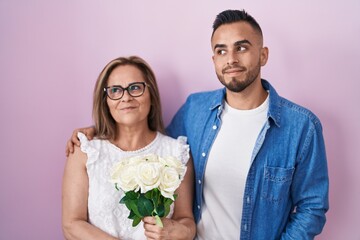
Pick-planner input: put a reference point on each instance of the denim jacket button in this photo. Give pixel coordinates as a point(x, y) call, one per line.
point(203, 154)
point(214, 127)
point(198, 206)
point(199, 181)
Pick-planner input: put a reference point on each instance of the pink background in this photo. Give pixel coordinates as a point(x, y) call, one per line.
point(52, 51)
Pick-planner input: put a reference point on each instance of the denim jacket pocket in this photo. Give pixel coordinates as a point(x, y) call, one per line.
point(276, 185)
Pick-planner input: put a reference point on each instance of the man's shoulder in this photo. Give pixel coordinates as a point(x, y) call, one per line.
point(282, 108)
point(210, 97)
point(297, 111)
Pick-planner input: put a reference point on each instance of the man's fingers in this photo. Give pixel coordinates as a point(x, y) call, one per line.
point(69, 148)
point(74, 140)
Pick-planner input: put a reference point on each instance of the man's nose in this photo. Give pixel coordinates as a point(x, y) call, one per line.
point(232, 59)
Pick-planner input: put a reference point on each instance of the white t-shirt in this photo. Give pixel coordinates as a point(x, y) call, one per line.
point(105, 211)
point(226, 172)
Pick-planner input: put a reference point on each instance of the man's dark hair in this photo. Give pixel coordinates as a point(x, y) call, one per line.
point(231, 16)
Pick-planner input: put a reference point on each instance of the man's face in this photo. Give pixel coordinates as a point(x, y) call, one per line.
point(238, 55)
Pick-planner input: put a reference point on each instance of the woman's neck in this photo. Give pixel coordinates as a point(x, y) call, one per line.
point(131, 139)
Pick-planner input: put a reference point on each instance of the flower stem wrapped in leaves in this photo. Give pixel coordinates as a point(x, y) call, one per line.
point(149, 183)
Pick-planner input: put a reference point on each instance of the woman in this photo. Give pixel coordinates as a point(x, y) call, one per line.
point(127, 116)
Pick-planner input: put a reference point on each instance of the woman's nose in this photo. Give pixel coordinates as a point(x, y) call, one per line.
point(126, 97)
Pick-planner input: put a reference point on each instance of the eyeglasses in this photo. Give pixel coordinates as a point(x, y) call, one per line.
point(116, 92)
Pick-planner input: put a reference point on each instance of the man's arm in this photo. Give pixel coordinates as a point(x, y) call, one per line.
point(177, 125)
point(310, 189)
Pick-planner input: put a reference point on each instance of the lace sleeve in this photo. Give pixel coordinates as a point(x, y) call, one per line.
point(184, 149)
point(88, 147)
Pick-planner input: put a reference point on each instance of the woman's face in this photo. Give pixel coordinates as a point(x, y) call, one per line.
point(129, 111)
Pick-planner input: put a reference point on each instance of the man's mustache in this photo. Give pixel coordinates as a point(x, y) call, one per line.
point(234, 66)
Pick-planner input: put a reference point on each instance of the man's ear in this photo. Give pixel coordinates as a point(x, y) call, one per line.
point(264, 54)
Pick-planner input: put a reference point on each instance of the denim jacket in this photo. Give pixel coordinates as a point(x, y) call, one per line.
point(286, 191)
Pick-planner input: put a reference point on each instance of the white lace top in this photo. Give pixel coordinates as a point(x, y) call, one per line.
point(104, 209)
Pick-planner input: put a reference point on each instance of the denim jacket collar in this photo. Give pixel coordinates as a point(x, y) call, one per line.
point(274, 102)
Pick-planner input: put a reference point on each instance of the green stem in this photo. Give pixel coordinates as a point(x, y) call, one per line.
point(158, 221)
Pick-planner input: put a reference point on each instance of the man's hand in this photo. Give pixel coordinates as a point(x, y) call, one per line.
point(89, 133)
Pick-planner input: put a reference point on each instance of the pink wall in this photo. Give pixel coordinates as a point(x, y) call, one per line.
point(51, 54)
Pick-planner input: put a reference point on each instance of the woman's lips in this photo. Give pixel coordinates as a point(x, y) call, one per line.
point(128, 108)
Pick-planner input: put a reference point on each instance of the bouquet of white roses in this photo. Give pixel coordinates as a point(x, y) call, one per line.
point(149, 183)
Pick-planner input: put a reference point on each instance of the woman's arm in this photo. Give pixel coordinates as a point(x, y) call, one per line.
point(182, 224)
point(74, 200)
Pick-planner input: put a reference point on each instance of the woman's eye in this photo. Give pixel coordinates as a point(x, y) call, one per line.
point(134, 87)
point(115, 90)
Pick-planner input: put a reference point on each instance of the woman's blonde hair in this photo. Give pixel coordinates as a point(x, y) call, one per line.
point(105, 124)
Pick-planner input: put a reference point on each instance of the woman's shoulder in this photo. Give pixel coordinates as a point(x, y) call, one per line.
point(181, 140)
point(94, 148)
point(86, 144)
point(176, 147)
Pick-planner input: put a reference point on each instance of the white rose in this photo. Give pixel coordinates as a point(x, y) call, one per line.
point(148, 175)
point(116, 171)
point(174, 163)
point(170, 181)
point(124, 176)
point(151, 158)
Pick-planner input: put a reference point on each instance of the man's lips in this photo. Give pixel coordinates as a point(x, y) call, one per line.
point(233, 70)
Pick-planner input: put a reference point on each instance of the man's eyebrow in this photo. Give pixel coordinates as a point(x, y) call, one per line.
point(237, 43)
point(219, 46)
point(241, 42)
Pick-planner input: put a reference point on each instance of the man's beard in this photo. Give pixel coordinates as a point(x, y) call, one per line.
point(237, 85)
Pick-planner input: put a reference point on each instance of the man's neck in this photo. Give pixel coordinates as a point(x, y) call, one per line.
point(250, 98)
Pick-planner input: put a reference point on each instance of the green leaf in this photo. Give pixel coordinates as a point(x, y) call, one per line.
point(160, 210)
point(132, 215)
point(133, 206)
point(136, 221)
point(168, 201)
point(123, 200)
point(132, 195)
point(167, 210)
point(167, 205)
point(149, 194)
point(145, 206)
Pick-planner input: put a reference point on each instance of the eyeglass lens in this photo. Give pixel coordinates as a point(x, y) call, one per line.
point(134, 90)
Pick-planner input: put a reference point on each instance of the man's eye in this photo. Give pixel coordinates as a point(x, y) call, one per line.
point(221, 52)
point(241, 48)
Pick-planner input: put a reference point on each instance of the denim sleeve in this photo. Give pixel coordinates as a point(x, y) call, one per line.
point(310, 188)
point(177, 125)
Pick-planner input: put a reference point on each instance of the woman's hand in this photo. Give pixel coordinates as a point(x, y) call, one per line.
point(172, 229)
point(182, 224)
point(89, 133)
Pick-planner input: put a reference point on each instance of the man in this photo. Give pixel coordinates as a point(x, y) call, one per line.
point(259, 159)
